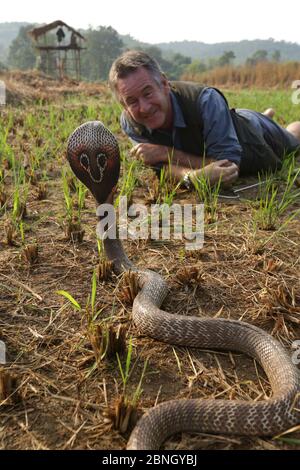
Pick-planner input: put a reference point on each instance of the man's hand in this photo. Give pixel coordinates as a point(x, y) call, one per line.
point(150, 154)
point(224, 169)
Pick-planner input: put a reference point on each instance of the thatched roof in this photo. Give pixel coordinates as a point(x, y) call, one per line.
point(36, 32)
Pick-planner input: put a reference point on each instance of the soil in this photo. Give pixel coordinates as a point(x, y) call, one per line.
point(55, 394)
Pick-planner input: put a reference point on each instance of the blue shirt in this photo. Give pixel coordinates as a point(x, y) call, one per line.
point(221, 141)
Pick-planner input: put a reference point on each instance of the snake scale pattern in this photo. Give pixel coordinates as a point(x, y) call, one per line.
point(93, 154)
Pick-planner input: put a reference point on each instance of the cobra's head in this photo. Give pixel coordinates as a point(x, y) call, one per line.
point(93, 154)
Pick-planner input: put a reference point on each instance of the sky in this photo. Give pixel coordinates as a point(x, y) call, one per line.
point(157, 21)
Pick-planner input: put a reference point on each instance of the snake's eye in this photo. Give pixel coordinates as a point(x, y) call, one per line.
point(101, 160)
point(84, 161)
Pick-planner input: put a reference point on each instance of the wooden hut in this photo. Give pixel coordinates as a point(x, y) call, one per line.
point(59, 46)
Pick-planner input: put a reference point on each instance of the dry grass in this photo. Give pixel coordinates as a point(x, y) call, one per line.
point(24, 87)
point(261, 75)
point(56, 395)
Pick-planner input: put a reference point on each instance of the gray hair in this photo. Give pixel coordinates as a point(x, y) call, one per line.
point(129, 62)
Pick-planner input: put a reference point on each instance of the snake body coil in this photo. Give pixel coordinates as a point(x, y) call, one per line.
point(94, 157)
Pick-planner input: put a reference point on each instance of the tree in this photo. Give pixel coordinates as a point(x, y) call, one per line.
point(195, 68)
point(103, 47)
point(179, 64)
point(259, 56)
point(276, 56)
point(21, 52)
point(226, 58)
point(173, 67)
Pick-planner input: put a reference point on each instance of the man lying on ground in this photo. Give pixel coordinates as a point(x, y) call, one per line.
point(190, 129)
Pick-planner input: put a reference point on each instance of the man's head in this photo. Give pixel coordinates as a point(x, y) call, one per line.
point(143, 90)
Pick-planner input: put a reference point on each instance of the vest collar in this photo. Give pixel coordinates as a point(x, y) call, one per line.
point(178, 120)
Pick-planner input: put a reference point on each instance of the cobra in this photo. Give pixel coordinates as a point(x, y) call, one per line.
point(265, 417)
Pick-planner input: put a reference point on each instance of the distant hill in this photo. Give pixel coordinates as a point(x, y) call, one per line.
point(194, 49)
point(242, 49)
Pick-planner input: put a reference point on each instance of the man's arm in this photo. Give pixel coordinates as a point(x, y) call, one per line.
point(221, 169)
point(152, 154)
point(179, 163)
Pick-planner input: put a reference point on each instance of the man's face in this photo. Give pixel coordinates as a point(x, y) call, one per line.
point(145, 100)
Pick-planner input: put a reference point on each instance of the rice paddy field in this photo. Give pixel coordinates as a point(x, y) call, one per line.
point(77, 373)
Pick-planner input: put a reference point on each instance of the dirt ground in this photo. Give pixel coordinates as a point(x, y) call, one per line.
point(54, 394)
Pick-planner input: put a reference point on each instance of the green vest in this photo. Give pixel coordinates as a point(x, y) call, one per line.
point(257, 155)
